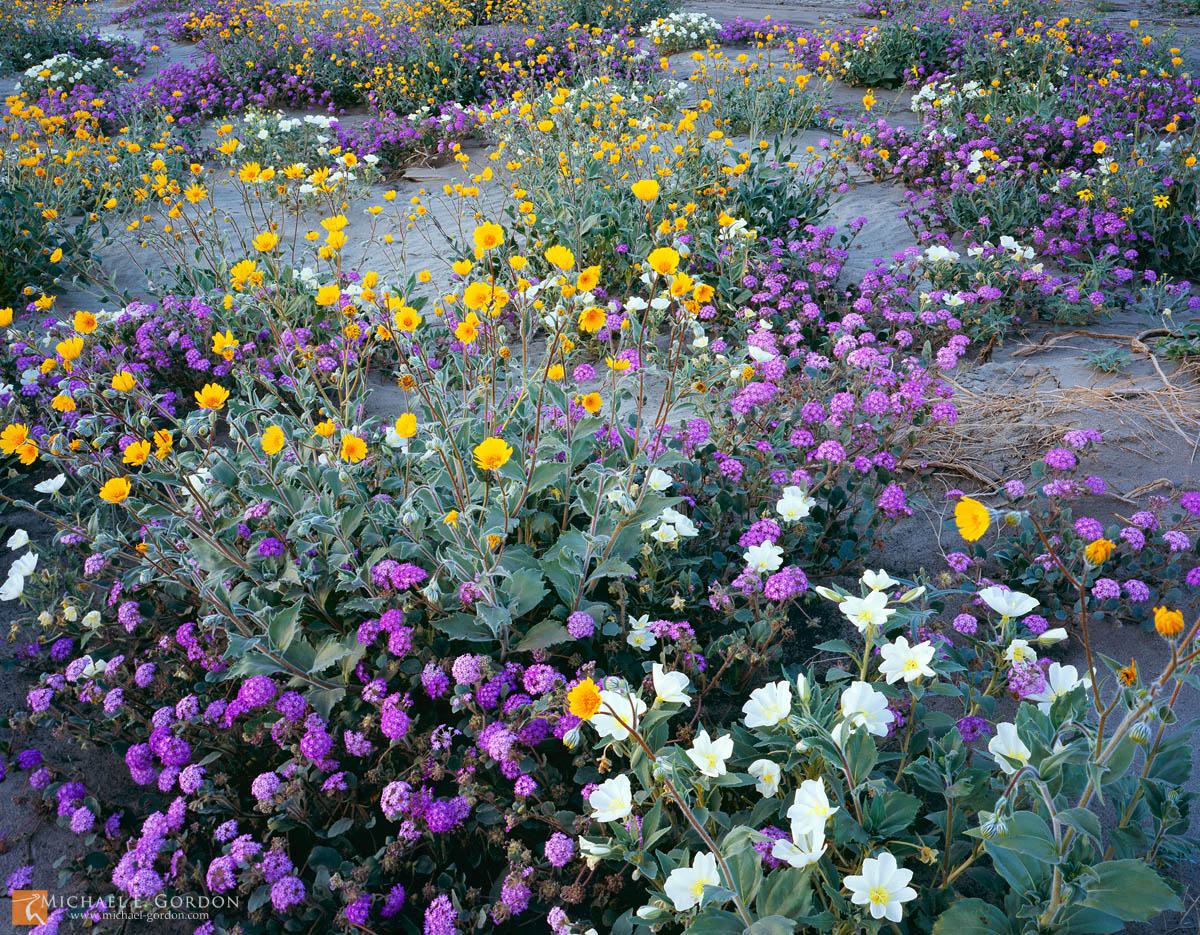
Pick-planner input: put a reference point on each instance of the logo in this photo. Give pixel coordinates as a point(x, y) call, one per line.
point(30, 907)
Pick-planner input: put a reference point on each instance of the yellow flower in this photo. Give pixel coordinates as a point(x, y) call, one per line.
point(972, 518)
point(163, 443)
point(477, 295)
point(406, 318)
point(592, 319)
point(545, 125)
point(555, 372)
point(645, 190)
point(588, 279)
point(560, 256)
point(328, 295)
point(354, 449)
point(115, 490)
point(583, 700)
point(1099, 147)
point(406, 425)
point(28, 452)
point(13, 437)
point(245, 273)
point(272, 440)
point(488, 236)
point(266, 241)
point(1168, 623)
point(124, 381)
point(137, 452)
point(592, 402)
point(225, 344)
point(703, 293)
point(56, 255)
point(211, 396)
point(62, 403)
point(325, 429)
point(6, 316)
point(617, 363)
point(1097, 552)
point(868, 100)
point(462, 267)
point(451, 518)
point(468, 329)
point(492, 453)
point(1161, 201)
point(69, 349)
point(664, 261)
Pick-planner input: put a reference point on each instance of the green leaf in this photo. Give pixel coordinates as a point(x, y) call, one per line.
point(771, 925)
point(786, 892)
point(715, 922)
point(1129, 890)
point(544, 634)
point(282, 629)
point(972, 917)
point(1027, 833)
point(525, 591)
point(464, 627)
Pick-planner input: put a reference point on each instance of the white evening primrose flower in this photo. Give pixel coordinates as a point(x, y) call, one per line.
point(867, 613)
point(901, 661)
point(25, 565)
point(670, 687)
point(762, 355)
point(13, 587)
point(801, 851)
point(768, 705)
point(811, 810)
point(766, 556)
point(1019, 651)
point(710, 755)
point(665, 533)
point(878, 580)
point(794, 505)
point(91, 620)
point(1060, 680)
point(1006, 746)
point(685, 885)
point(641, 639)
point(659, 480)
point(882, 885)
point(863, 706)
point(1008, 603)
point(617, 704)
point(1052, 636)
point(18, 539)
point(612, 800)
point(766, 774)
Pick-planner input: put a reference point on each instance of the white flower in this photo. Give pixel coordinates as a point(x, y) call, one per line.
point(91, 619)
point(767, 772)
point(794, 505)
point(1055, 635)
point(878, 580)
point(612, 800)
point(762, 355)
point(863, 706)
point(882, 886)
point(670, 687)
point(13, 587)
point(666, 534)
point(867, 612)
point(937, 254)
point(1019, 651)
point(801, 850)
point(18, 539)
point(1008, 603)
point(628, 707)
point(641, 639)
point(766, 556)
point(811, 810)
point(803, 689)
point(710, 755)
point(24, 566)
point(769, 705)
point(901, 661)
point(1007, 743)
point(1060, 680)
point(659, 480)
point(685, 885)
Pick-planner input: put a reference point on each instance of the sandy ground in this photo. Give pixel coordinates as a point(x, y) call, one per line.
point(1039, 379)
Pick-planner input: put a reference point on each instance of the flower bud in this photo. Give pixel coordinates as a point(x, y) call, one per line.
point(1140, 733)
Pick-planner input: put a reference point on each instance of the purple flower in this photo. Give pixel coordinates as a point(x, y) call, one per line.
point(560, 849)
point(286, 893)
point(972, 728)
point(580, 625)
